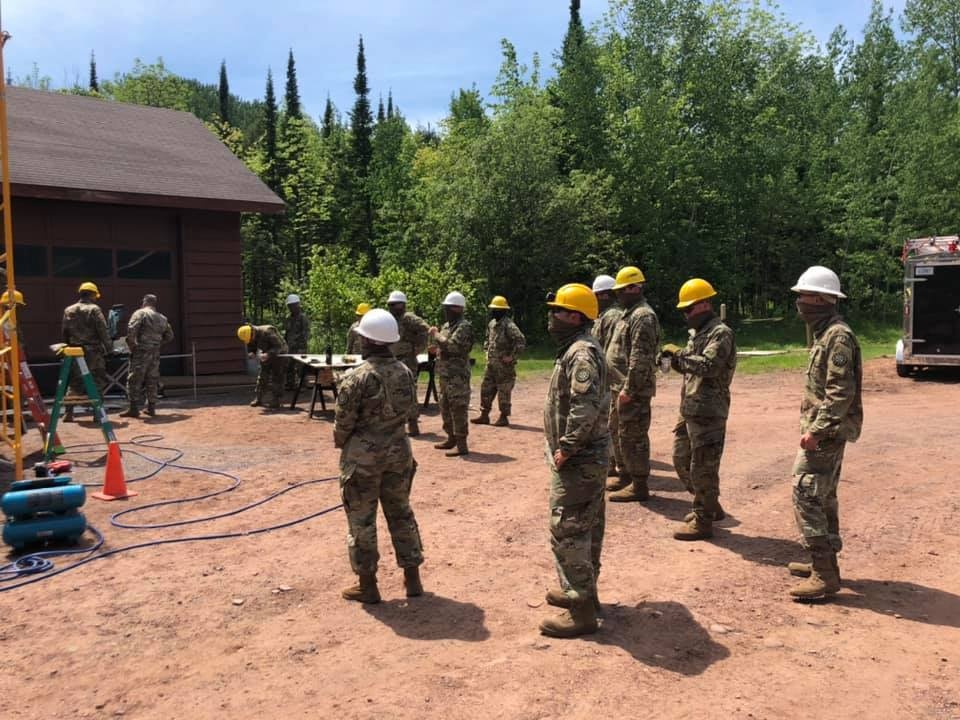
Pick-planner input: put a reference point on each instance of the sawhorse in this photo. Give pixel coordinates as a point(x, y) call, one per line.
point(70, 355)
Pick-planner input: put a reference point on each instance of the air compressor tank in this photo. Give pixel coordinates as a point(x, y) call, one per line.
point(42, 528)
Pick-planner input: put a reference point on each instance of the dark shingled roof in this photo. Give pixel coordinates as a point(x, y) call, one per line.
point(72, 147)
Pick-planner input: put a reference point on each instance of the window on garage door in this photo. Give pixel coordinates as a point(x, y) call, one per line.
point(144, 265)
point(78, 262)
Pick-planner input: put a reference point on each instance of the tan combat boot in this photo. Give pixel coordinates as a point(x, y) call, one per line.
point(482, 419)
point(718, 515)
point(365, 591)
point(450, 442)
point(460, 447)
point(558, 598)
point(131, 412)
point(824, 579)
point(502, 421)
point(411, 582)
point(413, 428)
point(802, 569)
point(695, 529)
point(580, 619)
point(637, 491)
point(617, 481)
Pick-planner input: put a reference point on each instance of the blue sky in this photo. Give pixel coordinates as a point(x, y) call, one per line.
point(423, 50)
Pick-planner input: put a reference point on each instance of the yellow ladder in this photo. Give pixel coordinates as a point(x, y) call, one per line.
point(11, 404)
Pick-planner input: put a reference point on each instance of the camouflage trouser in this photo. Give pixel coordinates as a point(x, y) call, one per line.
point(455, 405)
point(630, 424)
point(816, 475)
point(577, 519)
point(292, 374)
point(615, 458)
point(144, 375)
point(361, 489)
point(498, 381)
point(411, 362)
point(97, 364)
point(697, 450)
point(271, 377)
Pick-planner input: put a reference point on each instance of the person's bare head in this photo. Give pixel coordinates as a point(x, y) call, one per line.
point(150, 300)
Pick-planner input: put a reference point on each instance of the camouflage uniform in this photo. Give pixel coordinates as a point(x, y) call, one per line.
point(272, 367)
point(413, 341)
point(603, 332)
point(632, 363)
point(147, 330)
point(353, 339)
point(707, 363)
point(374, 404)
point(296, 333)
point(575, 420)
point(84, 326)
point(503, 339)
point(832, 409)
point(453, 373)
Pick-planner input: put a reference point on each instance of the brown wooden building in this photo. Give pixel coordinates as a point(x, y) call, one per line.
point(137, 200)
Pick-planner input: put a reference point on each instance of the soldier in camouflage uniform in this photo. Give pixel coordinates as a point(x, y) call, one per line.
point(84, 326)
point(266, 343)
point(296, 333)
point(632, 364)
point(831, 415)
point(374, 404)
point(412, 342)
point(575, 427)
point(503, 345)
point(147, 330)
point(610, 314)
point(454, 342)
point(353, 337)
point(707, 363)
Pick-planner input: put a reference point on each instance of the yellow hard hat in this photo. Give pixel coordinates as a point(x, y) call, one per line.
point(363, 309)
point(89, 287)
point(17, 295)
point(629, 275)
point(245, 334)
point(499, 302)
point(578, 297)
point(693, 291)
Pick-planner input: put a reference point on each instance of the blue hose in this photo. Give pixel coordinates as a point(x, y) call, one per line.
point(39, 564)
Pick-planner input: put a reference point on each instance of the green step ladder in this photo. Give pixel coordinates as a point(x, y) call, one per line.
point(75, 355)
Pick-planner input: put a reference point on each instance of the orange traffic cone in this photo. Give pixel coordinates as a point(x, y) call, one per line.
point(114, 485)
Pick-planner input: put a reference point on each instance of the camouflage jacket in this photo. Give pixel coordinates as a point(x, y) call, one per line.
point(148, 329)
point(296, 332)
point(632, 352)
point(578, 402)
point(455, 343)
point(374, 402)
point(353, 339)
point(603, 327)
point(832, 404)
point(503, 338)
point(707, 363)
point(413, 336)
point(268, 341)
point(85, 326)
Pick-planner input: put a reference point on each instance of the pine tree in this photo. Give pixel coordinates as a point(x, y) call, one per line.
point(292, 93)
point(361, 121)
point(94, 83)
point(381, 113)
point(390, 112)
point(270, 134)
point(329, 119)
point(224, 93)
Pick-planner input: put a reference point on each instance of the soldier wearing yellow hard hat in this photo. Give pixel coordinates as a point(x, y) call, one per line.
point(632, 362)
point(264, 343)
point(85, 326)
point(503, 345)
point(17, 296)
point(575, 429)
point(353, 337)
point(708, 363)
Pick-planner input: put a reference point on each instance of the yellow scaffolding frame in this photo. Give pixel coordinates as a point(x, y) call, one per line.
point(11, 404)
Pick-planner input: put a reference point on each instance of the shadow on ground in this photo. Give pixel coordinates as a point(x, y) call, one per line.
point(432, 617)
point(910, 601)
point(660, 634)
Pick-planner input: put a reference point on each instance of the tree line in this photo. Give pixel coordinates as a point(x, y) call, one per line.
point(690, 138)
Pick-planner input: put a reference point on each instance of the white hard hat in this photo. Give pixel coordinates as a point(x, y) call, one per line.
point(293, 299)
point(602, 283)
point(380, 326)
point(396, 297)
point(455, 299)
point(819, 279)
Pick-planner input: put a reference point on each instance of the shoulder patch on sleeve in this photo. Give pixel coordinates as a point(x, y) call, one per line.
point(839, 359)
point(582, 374)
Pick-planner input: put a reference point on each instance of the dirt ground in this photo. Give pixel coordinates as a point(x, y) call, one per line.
point(255, 627)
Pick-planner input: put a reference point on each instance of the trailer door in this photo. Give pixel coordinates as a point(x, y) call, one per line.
point(936, 310)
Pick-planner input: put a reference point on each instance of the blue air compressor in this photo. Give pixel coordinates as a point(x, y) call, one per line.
point(41, 510)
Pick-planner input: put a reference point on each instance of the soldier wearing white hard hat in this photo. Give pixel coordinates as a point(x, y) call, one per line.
point(454, 341)
point(610, 314)
point(296, 333)
point(412, 342)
